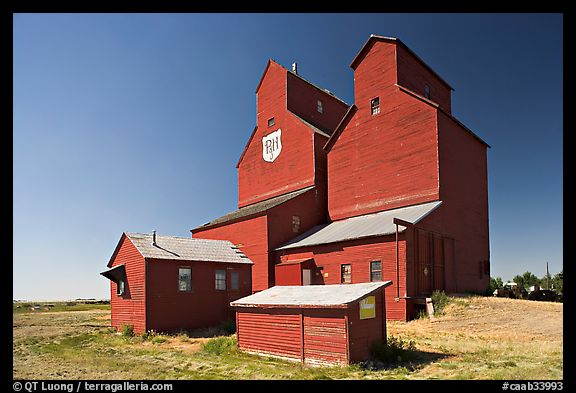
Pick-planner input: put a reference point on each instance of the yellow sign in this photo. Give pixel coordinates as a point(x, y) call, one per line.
point(368, 307)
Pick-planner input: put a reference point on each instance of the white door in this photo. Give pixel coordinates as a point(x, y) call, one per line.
point(306, 276)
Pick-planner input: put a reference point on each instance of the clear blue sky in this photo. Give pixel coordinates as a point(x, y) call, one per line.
point(135, 122)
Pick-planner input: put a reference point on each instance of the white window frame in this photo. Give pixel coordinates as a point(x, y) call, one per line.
point(319, 106)
point(120, 287)
point(220, 282)
point(375, 109)
point(180, 279)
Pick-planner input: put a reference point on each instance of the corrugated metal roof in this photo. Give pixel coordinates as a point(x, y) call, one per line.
point(310, 295)
point(375, 224)
point(187, 249)
point(255, 208)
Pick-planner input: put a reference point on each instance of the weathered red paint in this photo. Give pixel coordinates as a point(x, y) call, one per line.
point(413, 151)
point(329, 258)
point(169, 309)
point(251, 237)
point(302, 100)
point(312, 335)
point(283, 96)
point(129, 308)
point(152, 301)
point(388, 160)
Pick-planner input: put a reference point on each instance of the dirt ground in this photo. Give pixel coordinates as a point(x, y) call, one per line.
point(494, 318)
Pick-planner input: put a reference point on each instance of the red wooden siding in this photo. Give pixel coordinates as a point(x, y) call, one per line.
point(464, 211)
point(310, 207)
point(293, 169)
point(388, 160)
point(413, 75)
point(365, 332)
point(273, 331)
point(288, 274)
point(171, 310)
point(359, 253)
point(251, 236)
point(129, 308)
point(318, 335)
point(302, 101)
point(325, 336)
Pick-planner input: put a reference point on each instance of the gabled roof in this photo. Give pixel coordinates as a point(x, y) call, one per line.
point(393, 40)
point(324, 91)
point(254, 209)
point(369, 225)
point(311, 296)
point(186, 249)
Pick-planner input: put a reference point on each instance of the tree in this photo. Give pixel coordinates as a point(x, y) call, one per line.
point(557, 281)
point(494, 284)
point(526, 280)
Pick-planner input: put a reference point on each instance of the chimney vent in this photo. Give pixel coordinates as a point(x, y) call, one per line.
point(153, 238)
point(295, 68)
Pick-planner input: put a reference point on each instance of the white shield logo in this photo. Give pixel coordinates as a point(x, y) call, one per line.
point(272, 145)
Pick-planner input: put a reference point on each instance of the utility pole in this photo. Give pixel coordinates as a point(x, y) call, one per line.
point(547, 277)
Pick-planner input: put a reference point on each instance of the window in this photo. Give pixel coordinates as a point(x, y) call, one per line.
point(376, 271)
point(346, 274)
point(375, 106)
point(120, 288)
point(295, 224)
point(271, 122)
point(185, 279)
point(319, 106)
point(234, 281)
point(221, 280)
point(427, 91)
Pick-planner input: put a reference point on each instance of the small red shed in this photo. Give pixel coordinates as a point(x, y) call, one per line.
point(315, 324)
point(168, 283)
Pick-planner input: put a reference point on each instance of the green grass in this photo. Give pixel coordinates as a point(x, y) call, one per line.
point(25, 308)
point(81, 345)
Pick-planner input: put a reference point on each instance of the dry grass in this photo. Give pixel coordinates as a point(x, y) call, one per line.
point(491, 338)
point(476, 338)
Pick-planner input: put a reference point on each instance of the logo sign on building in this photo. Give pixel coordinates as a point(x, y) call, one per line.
point(272, 145)
point(368, 307)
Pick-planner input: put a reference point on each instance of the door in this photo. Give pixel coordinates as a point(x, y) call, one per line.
point(424, 265)
point(306, 276)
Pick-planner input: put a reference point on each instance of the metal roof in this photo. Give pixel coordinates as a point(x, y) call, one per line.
point(376, 224)
point(255, 208)
point(187, 249)
point(338, 295)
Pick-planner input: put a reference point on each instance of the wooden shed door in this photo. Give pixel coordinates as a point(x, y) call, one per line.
point(424, 264)
point(324, 339)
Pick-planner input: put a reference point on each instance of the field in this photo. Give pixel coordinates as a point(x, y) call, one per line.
point(476, 338)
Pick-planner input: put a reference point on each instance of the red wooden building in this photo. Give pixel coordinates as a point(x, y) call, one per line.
point(167, 283)
point(331, 324)
point(392, 187)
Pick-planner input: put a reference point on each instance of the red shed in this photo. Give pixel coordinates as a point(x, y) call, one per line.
point(318, 324)
point(168, 283)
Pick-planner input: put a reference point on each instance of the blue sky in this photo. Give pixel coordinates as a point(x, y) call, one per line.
point(135, 122)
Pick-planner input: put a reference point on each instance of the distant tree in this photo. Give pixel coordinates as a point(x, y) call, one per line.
point(526, 280)
point(557, 281)
point(494, 284)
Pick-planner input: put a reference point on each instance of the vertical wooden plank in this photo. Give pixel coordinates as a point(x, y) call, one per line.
point(302, 356)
